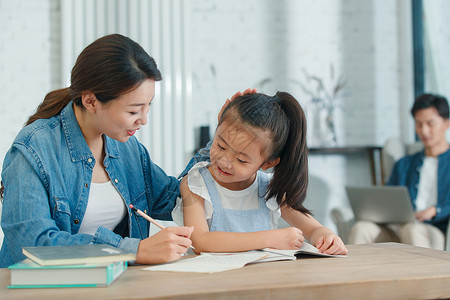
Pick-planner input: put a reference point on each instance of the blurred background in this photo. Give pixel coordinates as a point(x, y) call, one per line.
point(354, 65)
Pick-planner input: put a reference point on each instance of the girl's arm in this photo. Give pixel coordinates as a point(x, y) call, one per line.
point(320, 236)
point(219, 241)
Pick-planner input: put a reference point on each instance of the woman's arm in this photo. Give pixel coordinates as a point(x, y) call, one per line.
point(320, 236)
point(28, 217)
point(218, 241)
point(201, 155)
point(162, 190)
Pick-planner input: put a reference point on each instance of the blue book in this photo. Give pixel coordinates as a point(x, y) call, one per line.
point(28, 274)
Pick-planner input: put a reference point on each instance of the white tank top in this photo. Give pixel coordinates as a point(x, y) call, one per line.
point(427, 190)
point(105, 208)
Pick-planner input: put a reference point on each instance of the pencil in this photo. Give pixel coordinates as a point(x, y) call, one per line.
point(145, 216)
point(148, 218)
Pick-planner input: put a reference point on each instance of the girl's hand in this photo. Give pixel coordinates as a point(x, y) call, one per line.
point(286, 238)
point(329, 243)
point(165, 246)
point(238, 94)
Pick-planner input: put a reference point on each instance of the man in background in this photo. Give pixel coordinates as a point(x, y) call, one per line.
point(426, 174)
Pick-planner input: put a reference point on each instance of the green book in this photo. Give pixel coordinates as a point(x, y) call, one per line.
point(76, 254)
point(28, 274)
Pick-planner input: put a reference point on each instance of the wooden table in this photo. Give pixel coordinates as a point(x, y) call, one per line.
point(371, 271)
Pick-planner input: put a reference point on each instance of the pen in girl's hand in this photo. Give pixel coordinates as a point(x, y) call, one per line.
point(148, 218)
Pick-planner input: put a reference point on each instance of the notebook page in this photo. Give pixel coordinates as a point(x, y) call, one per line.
point(210, 263)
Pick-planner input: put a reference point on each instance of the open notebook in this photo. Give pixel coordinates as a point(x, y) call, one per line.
point(218, 262)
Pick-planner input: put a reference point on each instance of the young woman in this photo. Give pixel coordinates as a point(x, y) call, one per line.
point(76, 166)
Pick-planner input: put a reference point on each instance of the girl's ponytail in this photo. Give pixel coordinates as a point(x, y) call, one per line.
point(52, 105)
point(290, 180)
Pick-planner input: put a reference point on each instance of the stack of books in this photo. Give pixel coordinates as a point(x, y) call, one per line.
point(69, 266)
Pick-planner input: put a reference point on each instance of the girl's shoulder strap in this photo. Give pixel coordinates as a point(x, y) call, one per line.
point(263, 182)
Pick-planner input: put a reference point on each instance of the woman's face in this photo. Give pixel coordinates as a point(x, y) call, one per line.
point(122, 117)
point(237, 152)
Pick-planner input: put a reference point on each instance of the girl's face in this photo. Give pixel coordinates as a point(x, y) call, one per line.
point(121, 118)
point(237, 152)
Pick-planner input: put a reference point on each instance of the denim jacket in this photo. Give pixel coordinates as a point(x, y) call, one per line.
point(47, 175)
point(201, 155)
point(406, 172)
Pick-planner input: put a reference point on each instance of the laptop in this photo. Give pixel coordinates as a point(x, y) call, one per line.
point(381, 204)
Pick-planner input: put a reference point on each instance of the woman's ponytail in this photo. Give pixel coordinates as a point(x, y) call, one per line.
point(53, 104)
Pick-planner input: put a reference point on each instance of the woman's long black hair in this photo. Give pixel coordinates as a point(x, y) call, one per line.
point(109, 67)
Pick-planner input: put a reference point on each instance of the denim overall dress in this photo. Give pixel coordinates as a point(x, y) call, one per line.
point(238, 220)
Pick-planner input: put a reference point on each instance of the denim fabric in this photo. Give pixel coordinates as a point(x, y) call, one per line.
point(47, 175)
point(234, 220)
point(406, 172)
point(201, 155)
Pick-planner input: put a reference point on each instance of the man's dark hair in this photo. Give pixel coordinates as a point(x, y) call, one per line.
point(430, 100)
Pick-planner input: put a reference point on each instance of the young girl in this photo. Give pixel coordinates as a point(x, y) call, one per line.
point(232, 205)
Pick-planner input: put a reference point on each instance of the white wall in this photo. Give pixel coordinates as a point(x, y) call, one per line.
point(239, 46)
point(437, 47)
point(25, 63)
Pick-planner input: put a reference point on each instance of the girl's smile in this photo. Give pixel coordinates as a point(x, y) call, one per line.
point(222, 171)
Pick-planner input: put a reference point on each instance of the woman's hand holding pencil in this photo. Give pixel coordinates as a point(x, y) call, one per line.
point(169, 244)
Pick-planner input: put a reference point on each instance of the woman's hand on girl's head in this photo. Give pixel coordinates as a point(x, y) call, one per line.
point(236, 95)
point(246, 92)
point(329, 243)
point(165, 246)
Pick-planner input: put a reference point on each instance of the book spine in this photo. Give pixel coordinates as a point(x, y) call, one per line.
point(42, 286)
point(114, 270)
